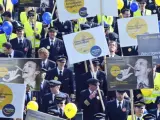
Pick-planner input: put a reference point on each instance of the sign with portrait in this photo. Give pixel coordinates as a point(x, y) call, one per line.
point(12, 100)
point(110, 7)
point(129, 28)
point(47, 3)
point(124, 73)
point(27, 71)
point(75, 9)
point(36, 115)
point(148, 45)
point(86, 45)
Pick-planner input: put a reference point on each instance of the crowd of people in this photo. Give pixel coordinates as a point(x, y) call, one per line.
point(63, 83)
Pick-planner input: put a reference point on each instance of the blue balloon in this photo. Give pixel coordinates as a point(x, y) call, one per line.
point(14, 2)
point(47, 18)
point(134, 6)
point(7, 27)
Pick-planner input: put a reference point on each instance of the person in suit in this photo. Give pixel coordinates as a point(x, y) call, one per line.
point(63, 28)
point(62, 74)
point(21, 43)
point(97, 74)
point(54, 45)
point(119, 108)
point(58, 109)
point(139, 108)
point(47, 64)
point(9, 52)
point(49, 99)
point(90, 100)
point(149, 117)
point(156, 112)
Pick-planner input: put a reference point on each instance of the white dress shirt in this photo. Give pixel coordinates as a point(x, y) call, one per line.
point(158, 113)
point(94, 74)
point(118, 103)
point(139, 117)
point(29, 93)
point(20, 39)
point(52, 40)
point(60, 70)
point(45, 62)
point(12, 54)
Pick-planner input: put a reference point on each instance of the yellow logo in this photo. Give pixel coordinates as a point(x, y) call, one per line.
point(83, 42)
point(55, 78)
point(136, 26)
point(115, 70)
point(3, 71)
point(6, 95)
point(73, 6)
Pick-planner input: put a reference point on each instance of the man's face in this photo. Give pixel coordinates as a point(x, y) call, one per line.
point(139, 110)
point(120, 96)
point(6, 18)
point(52, 34)
point(29, 70)
point(92, 87)
point(61, 64)
point(31, 18)
point(112, 46)
point(6, 51)
point(42, 56)
point(20, 33)
point(158, 106)
point(127, 14)
point(142, 5)
point(62, 104)
point(54, 89)
point(141, 68)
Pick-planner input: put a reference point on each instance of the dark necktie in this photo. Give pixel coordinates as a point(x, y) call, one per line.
point(138, 118)
point(141, 13)
point(20, 43)
point(141, 85)
point(32, 26)
point(52, 43)
point(9, 56)
point(28, 98)
point(44, 66)
point(61, 113)
point(119, 105)
point(60, 73)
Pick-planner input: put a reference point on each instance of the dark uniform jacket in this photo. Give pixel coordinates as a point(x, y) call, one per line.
point(48, 65)
point(26, 47)
point(17, 54)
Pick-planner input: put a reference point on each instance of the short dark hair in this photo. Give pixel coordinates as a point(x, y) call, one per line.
point(125, 10)
point(7, 45)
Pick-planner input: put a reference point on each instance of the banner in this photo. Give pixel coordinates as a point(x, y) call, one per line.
point(148, 45)
point(135, 72)
point(29, 3)
point(129, 28)
point(46, 3)
point(110, 7)
point(27, 71)
point(86, 45)
point(75, 9)
point(12, 97)
point(36, 115)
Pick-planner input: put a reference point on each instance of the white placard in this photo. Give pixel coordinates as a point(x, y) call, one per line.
point(86, 45)
point(129, 28)
point(12, 98)
point(110, 7)
point(75, 9)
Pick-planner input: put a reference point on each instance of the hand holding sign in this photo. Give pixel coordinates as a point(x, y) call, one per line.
point(124, 74)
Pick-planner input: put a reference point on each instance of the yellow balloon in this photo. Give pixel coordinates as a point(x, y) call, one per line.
point(120, 4)
point(157, 2)
point(146, 92)
point(32, 105)
point(70, 110)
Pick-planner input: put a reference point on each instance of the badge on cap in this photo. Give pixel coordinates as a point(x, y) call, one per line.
point(34, 99)
point(154, 11)
point(55, 78)
point(48, 47)
point(129, 49)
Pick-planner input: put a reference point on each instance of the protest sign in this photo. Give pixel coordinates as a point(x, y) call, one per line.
point(110, 7)
point(129, 28)
point(75, 9)
point(12, 100)
point(46, 3)
point(148, 45)
point(29, 3)
point(133, 72)
point(36, 115)
point(25, 71)
point(86, 45)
